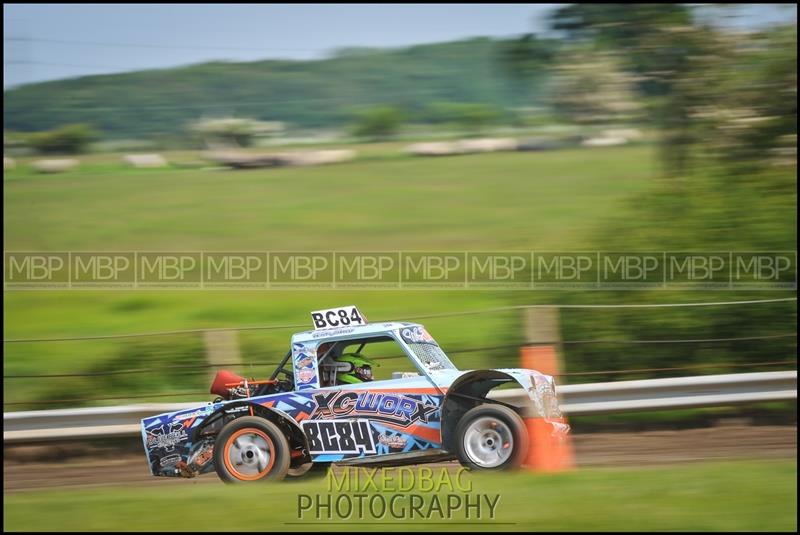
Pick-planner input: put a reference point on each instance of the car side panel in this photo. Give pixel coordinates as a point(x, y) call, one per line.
point(357, 423)
point(340, 423)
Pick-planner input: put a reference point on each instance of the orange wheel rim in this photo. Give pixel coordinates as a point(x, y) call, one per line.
point(249, 454)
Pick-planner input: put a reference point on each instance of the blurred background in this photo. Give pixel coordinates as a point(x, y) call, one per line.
point(549, 127)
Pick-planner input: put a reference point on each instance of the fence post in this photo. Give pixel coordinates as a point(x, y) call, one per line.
point(549, 451)
point(221, 347)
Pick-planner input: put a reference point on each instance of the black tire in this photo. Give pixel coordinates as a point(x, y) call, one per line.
point(487, 431)
point(264, 444)
point(308, 471)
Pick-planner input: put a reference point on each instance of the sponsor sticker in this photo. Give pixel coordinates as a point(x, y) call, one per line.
point(305, 366)
point(201, 457)
point(305, 376)
point(166, 436)
point(395, 442)
point(170, 460)
point(416, 335)
point(194, 414)
point(379, 406)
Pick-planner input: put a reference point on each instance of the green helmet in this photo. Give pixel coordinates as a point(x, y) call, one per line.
point(360, 369)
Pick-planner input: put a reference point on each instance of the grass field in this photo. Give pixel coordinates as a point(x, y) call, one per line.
point(510, 201)
point(745, 495)
point(545, 200)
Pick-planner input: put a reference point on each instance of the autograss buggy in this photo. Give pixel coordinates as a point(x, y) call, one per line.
point(302, 418)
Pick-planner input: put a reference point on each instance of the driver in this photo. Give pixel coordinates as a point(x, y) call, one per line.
point(353, 368)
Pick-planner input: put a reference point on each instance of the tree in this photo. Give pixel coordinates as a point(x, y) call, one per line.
point(745, 103)
point(648, 34)
point(472, 117)
point(527, 57)
point(68, 139)
point(240, 132)
point(381, 122)
point(708, 89)
point(591, 87)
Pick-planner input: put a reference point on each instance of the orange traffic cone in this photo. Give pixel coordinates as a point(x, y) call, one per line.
point(550, 447)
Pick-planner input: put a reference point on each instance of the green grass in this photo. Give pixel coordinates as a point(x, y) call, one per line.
point(724, 496)
point(499, 201)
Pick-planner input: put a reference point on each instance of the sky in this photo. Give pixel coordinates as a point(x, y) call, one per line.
point(52, 41)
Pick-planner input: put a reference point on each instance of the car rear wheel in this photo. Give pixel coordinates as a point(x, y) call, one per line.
point(491, 437)
point(251, 449)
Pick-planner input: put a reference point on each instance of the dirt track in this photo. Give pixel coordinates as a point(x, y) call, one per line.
point(594, 449)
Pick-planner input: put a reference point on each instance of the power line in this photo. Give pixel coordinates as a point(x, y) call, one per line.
point(679, 341)
point(599, 306)
point(205, 367)
point(106, 398)
point(687, 367)
point(162, 333)
point(413, 317)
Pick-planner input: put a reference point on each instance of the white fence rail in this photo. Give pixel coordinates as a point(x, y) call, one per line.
point(679, 392)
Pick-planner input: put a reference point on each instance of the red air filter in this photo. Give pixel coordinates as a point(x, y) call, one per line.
point(224, 377)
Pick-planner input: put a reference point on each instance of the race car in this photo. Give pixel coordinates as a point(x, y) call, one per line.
point(322, 405)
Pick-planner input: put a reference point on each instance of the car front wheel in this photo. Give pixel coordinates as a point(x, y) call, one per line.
point(251, 449)
point(491, 437)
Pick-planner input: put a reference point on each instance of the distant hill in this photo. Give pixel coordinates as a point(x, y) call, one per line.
point(314, 93)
